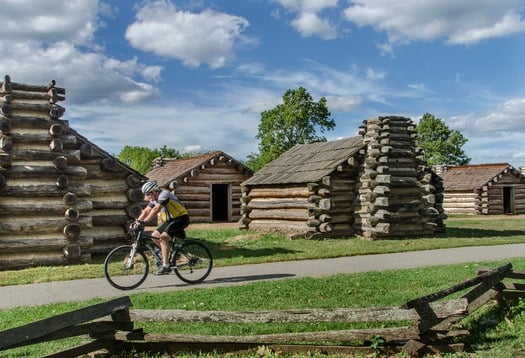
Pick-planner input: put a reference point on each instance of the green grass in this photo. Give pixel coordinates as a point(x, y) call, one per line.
point(238, 247)
point(496, 331)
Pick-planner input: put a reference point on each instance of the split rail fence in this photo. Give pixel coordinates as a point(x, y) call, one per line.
point(109, 327)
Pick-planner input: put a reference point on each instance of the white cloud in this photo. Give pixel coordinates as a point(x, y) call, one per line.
point(308, 20)
point(343, 103)
point(49, 21)
point(307, 5)
point(495, 135)
point(180, 125)
point(458, 22)
point(419, 87)
point(508, 117)
point(41, 42)
point(510, 23)
point(87, 77)
point(375, 74)
point(143, 92)
point(482, 150)
point(327, 81)
point(310, 24)
point(193, 38)
point(133, 67)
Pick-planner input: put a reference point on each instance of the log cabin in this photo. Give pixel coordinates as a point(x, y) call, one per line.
point(375, 185)
point(62, 198)
point(209, 185)
point(482, 189)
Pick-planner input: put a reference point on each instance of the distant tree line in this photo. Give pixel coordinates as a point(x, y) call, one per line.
point(141, 158)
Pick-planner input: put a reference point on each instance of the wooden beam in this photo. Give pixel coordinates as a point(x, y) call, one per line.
point(500, 271)
point(40, 328)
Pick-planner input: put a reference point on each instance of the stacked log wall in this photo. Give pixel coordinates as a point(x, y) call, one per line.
point(463, 202)
point(195, 189)
point(57, 194)
point(494, 200)
point(519, 199)
point(332, 214)
point(432, 188)
point(277, 208)
point(116, 197)
point(393, 194)
point(314, 210)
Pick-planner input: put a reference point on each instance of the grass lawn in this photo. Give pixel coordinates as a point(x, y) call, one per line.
point(495, 331)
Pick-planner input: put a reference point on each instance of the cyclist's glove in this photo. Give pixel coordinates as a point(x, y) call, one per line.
point(137, 224)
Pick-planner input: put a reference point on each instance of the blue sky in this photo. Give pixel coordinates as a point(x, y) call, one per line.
point(196, 75)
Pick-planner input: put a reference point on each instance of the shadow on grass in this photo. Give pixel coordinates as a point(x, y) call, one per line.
point(262, 277)
point(221, 251)
point(224, 280)
point(465, 233)
point(486, 328)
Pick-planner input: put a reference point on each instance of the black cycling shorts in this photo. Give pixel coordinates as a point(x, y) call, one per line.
point(175, 227)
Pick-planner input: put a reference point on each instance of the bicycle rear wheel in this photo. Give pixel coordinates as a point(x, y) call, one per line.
point(123, 271)
point(193, 262)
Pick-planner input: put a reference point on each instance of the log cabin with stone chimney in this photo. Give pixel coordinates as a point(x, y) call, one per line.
point(209, 185)
point(486, 189)
point(376, 185)
point(62, 198)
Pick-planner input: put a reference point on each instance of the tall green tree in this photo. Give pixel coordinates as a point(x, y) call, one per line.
point(295, 121)
point(441, 144)
point(141, 158)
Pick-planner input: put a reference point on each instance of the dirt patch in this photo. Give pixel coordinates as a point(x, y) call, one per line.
point(216, 225)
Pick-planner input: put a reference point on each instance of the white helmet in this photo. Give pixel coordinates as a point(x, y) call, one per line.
point(150, 186)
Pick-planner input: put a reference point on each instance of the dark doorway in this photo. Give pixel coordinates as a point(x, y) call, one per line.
point(508, 202)
point(220, 203)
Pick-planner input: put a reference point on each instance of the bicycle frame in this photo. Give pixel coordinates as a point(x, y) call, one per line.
point(140, 238)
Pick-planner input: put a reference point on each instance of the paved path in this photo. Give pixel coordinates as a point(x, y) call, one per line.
point(79, 290)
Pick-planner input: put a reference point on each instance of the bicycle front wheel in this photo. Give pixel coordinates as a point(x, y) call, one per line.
point(123, 271)
point(193, 262)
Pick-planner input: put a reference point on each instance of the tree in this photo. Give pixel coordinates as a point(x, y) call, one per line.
point(141, 158)
point(441, 144)
point(295, 121)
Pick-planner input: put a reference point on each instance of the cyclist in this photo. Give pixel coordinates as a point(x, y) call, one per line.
point(172, 218)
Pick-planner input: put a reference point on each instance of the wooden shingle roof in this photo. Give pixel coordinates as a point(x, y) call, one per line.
point(473, 177)
point(178, 168)
point(307, 162)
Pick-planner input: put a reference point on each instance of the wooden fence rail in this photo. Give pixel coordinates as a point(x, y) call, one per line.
point(427, 328)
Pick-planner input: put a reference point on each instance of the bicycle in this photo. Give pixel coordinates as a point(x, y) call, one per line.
point(126, 267)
